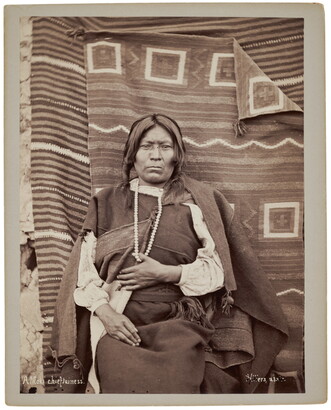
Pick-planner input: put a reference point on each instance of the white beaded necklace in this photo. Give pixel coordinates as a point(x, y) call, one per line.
point(135, 225)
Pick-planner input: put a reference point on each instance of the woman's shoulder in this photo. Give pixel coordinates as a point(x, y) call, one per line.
point(201, 187)
point(108, 192)
point(209, 195)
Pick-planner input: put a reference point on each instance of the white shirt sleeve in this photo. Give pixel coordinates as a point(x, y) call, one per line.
point(205, 274)
point(89, 292)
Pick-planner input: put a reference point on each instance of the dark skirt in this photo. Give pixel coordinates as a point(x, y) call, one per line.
point(170, 358)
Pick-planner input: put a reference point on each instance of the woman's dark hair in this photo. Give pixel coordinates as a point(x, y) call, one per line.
point(137, 132)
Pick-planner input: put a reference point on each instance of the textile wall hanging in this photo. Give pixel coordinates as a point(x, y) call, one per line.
point(243, 131)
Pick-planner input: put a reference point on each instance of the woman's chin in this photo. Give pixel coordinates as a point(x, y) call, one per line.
point(153, 181)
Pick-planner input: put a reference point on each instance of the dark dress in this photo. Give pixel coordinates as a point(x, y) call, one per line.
point(171, 355)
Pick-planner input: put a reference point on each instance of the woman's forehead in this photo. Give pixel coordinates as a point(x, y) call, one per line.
point(156, 134)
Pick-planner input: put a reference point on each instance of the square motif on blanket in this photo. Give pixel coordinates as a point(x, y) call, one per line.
point(281, 220)
point(264, 96)
point(104, 57)
point(222, 70)
point(165, 66)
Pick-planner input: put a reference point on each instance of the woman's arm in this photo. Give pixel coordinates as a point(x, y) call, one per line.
point(90, 294)
point(147, 273)
point(118, 326)
point(204, 275)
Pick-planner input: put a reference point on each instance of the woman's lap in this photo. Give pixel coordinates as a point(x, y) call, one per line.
point(170, 358)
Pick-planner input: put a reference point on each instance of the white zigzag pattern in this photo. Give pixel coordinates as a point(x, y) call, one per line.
point(58, 63)
point(60, 23)
point(220, 141)
point(53, 234)
point(289, 81)
point(46, 146)
point(273, 41)
point(35, 188)
point(109, 130)
point(212, 142)
point(64, 104)
point(50, 279)
point(292, 290)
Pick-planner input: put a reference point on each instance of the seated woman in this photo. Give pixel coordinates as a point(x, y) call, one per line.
point(175, 298)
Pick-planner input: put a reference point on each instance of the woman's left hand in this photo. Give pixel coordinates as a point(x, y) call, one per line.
point(147, 273)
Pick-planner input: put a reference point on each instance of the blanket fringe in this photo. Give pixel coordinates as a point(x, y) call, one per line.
point(191, 309)
point(83, 234)
point(240, 128)
point(76, 32)
point(227, 303)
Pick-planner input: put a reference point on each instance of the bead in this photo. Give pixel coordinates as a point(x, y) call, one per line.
point(135, 225)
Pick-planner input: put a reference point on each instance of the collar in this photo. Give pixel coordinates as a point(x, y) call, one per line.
point(146, 189)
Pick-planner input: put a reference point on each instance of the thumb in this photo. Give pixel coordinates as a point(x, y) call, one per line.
point(143, 257)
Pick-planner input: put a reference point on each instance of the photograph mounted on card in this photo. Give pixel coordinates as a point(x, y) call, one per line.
point(167, 176)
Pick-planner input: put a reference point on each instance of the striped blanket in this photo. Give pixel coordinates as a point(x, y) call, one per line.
point(238, 99)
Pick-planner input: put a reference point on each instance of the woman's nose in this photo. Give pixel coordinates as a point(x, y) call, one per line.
point(155, 152)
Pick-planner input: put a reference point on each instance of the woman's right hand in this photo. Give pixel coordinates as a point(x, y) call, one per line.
point(118, 326)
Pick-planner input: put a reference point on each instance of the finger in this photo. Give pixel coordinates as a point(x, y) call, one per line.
point(133, 330)
point(122, 338)
point(126, 283)
point(115, 336)
point(130, 269)
point(128, 337)
point(142, 256)
point(127, 276)
point(131, 287)
point(130, 282)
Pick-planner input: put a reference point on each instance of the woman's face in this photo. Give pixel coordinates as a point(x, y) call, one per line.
point(154, 162)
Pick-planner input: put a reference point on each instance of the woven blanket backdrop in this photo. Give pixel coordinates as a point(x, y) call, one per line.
point(235, 86)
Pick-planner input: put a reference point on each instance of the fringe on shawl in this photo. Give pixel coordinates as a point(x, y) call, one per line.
point(191, 309)
point(240, 128)
point(83, 234)
point(227, 303)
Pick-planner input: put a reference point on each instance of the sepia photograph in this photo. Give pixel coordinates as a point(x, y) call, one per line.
point(162, 204)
